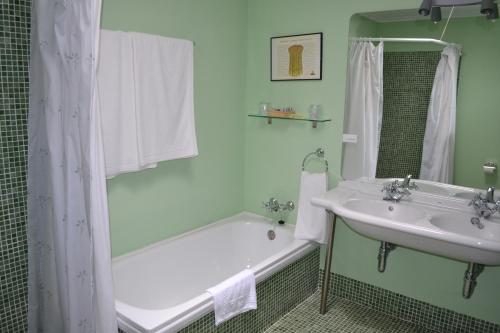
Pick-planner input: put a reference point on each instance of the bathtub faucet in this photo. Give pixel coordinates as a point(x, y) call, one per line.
point(274, 206)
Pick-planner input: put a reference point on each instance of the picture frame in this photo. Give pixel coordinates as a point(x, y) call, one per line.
point(297, 57)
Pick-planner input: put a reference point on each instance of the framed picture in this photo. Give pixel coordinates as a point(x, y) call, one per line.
point(297, 57)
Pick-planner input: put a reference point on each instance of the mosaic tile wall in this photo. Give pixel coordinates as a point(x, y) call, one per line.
point(14, 50)
point(276, 296)
point(405, 308)
point(408, 79)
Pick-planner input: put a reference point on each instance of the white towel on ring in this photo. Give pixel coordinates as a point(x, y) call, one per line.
point(234, 296)
point(312, 222)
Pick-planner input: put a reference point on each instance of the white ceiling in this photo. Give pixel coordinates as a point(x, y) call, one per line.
point(412, 14)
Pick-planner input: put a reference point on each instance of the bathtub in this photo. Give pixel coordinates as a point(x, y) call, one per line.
point(161, 288)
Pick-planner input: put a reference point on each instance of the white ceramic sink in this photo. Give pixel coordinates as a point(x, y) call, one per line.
point(461, 224)
point(433, 224)
point(386, 210)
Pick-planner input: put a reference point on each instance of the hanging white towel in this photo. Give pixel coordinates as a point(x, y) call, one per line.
point(163, 73)
point(116, 104)
point(146, 100)
point(312, 222)
point(234, 296)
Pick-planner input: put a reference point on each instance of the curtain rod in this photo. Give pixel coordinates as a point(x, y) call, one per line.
point(405, 40)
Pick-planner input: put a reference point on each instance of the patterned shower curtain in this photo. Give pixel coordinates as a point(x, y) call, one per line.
point(69, 280)
point(364, 104)
point(439, 140)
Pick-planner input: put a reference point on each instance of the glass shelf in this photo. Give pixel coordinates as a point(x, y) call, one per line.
point(294, 117)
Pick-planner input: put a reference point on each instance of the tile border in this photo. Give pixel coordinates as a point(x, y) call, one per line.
point(417, 312)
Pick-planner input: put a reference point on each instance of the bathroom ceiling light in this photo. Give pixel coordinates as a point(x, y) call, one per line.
point(425, 8)
point(436, 14)
point(487, 7)
point(494, 14)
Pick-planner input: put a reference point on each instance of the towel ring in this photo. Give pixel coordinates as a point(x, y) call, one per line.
point(319, 153)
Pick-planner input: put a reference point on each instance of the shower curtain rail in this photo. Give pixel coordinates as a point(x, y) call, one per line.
point(404, 40)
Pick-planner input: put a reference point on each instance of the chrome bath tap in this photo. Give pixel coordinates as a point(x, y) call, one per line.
point(395, 191)
point(274, 206)
point(485, 206)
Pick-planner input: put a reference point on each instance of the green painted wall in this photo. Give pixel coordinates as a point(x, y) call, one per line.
point(180, 195)
point(244, 161)
point(273, 153)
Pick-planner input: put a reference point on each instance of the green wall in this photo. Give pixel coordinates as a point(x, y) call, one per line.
point(244, 161)
point(180, 195)
point(273, 153)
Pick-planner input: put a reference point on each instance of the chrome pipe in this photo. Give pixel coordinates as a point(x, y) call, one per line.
point(383, 252)
point(328, 263)
point(471, 274)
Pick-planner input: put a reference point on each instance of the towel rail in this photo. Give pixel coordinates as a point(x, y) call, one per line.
point(319, 153)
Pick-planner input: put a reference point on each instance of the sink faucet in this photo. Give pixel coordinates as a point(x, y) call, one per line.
point(490, 195)
point(485, 206)
point(395, 191)
point(406, 183)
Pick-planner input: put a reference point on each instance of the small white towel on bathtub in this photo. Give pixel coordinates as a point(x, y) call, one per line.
point(234, 296)
point(312, 222)
point(145, 86)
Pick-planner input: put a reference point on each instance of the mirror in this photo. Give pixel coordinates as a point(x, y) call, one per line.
point(408, 74)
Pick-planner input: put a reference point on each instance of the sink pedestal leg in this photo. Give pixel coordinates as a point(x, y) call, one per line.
point(328, 263)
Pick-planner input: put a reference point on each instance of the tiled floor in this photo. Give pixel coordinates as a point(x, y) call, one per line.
point(343, 316)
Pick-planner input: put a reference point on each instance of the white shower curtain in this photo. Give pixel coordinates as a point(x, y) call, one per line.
point(439, 140)
point(69, 259)
point(364, 109)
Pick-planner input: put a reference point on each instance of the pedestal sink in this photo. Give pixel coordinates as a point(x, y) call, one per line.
point(439, 226)
point(434, 220)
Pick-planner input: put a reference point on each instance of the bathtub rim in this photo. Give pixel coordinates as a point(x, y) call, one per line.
point(188, 312)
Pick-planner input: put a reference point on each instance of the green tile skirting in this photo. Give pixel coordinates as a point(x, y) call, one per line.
point(276, 296)
point(14, 54)
point(408, 80)
point(419, 313)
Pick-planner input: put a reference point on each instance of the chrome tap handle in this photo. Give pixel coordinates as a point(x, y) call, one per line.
point(289, 206)
point(490, 195)
point(407, 180)
point(272, 205)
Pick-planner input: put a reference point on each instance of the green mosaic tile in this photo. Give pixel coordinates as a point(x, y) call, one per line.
point(14, 55)
point(427, 316)
point(408, 79)
point(276, 296)
point(342, 316)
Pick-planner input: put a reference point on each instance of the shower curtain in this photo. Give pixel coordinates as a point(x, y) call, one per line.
point(439, 139)
point(364, 109)
point(69, 261)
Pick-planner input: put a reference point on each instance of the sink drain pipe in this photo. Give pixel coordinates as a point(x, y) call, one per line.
point(383, 252)
point(471, 274)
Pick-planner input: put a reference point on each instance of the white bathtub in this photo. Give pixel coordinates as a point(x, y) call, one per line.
point(161, 288)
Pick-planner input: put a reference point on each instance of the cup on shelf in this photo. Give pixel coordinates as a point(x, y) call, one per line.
point(264, 107)
point(315, 111)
